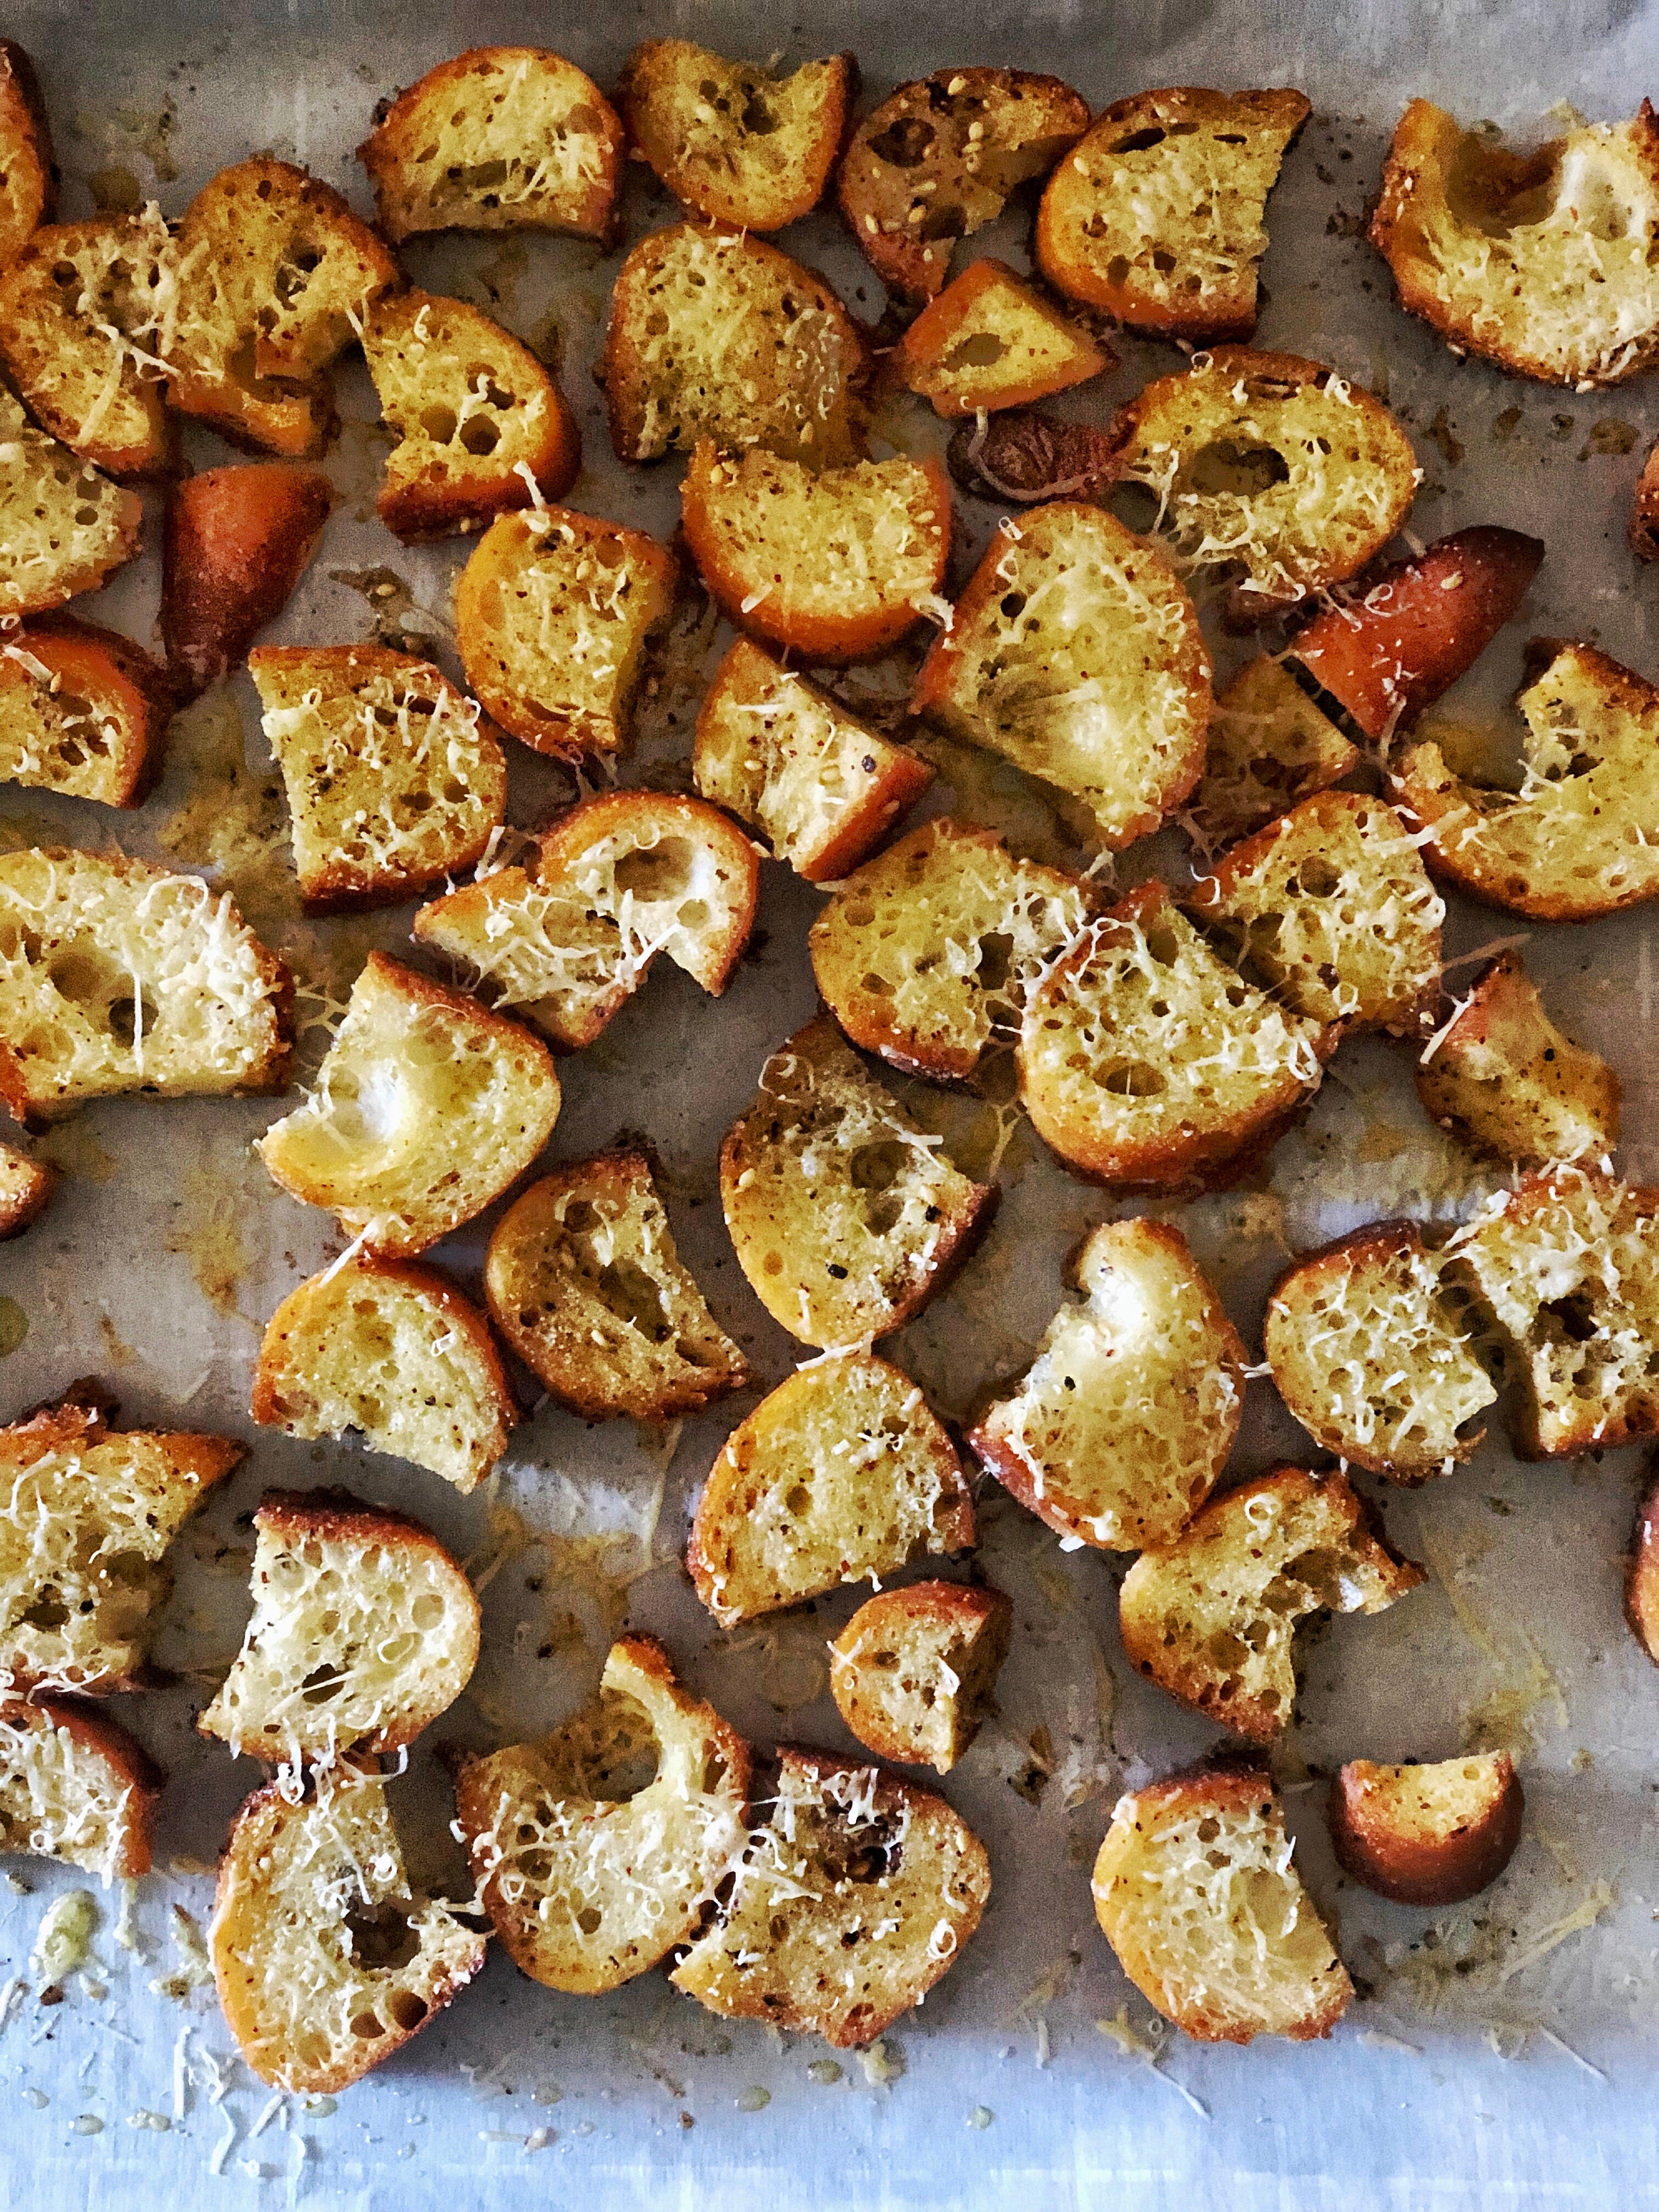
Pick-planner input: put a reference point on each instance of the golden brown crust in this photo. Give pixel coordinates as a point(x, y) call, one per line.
point(1033, 352)
point(26, 1187)
point(28, 182)
point(1426, 1835)
point(132, 699)
point(1506, 1082)
point(130, 1766)
point(734, 101)
point(968, 1625)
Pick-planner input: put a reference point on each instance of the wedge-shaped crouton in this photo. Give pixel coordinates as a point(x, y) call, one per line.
point(1371, 1349)
point(500, 138)
point(1211, 1616)
point(394, 780)
point(855, 1898)
point(326, 1962)
point(1148, 1063)
point(1578, 839)
point(939, 159)
point(585, 1284)
point(1642, 1576)
point(914, 1669)
point(729, 139)
point(389, 1349)
point(926, 953)
point(238, 541)
point(837, 566)
point(1545, 262)
point(567, 936)
point(843, 1473)
point(846, 1217)
point(1123, 1425)
point(364, 1631)
point(63, 528)
point(1022, 455)
point(74, 1786)
point(481, 428)
point(1197, 1891)
point(426, 1108)
point(82, 710)
point(552, 613)
point(1331, 911)
point(1075, 652)
point(1505, 1080)
point(991, 340)
point(1427, 1835)
point(25, 1185)
point(88, 1513)
point(1642, 528)
point(117, 976)
point(1158, 215)
point(1269, 748)
point(586, 1884)
point(716, 335)
point(28, 188)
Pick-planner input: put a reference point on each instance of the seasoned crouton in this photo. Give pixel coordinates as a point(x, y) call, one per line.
point(238, 541)
point(1022, 456)
point(1269, 748)
point(1505, 1080)
point(29, 185)
point(1642, 1574)
point(63, 528)
point(914, 1669)
point(1642, 528)
point(731, 141)
point(75, 1786)
point(26, 1189)
point(991, 340)
point(82, 710)
point(1427, 1835)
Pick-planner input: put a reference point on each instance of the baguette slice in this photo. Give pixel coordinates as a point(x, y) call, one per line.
point(389, 1349)
point(852, 1903)
point(1211, 1616)
point(1198, 1894)
point(991, 340)
point(1024, 455)
point(238, 541)
point(425, 1109)
point(29, 187)
point(1427, 1835)
point(1158, 216)
point(63, 528)
point(843, 1473)
point(82, 710)
point(588, 1886)
point(1120, 1428)
point(1270, 747)
point(1642, 528)
point(1505, 1080)
point(732, 142)
point(76, 1787)
point(26, 1189)
point(914, 1669)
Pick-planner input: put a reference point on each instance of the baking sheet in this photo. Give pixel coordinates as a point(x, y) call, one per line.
point(1500, 2061)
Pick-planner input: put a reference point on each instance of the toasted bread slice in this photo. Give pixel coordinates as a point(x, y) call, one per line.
point(1504, 1079)
point(75, 1786)
point(1211, 1616)
point(26, 1189)
point(837, 566)
point(914, 1669)
point(389, 1349)
point(82, 710)
point(1121, 1426)
point(585, 1283)
point(1148, 1063)
point(1542, 262)
point(117, 976)
point(926, 952)
point(29, 187)
point(1022, 455)
point(326, 1962)
point(1642, 1574)
point(586, 1885)
point(63, 528)
point(365, 1629)
point(481, 428)
point(1158, 215)
point(89, 1512)
point(991, 340)
point(1370, 1348)
point(410, 1066)
point(940, 158)
point(238, 541)
point(843, 1472)
point(1427, 1835)
point(1197, 1891)
point(1270, 747)
point(732, 142)
point(552, 613)
point(394, 779)
point(1642, 528)
point(851, 1904)
point(499, 138)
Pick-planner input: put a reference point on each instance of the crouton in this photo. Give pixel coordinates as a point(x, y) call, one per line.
point(852, 1903)
point(1427, 1835)
point(1148, 1063)
point(82, 710)
point(326, 1962)
point(717, 336)
point(89, 1512)
point(1642, 1574)
point(991, 340)
point(1075, 652)
point(29, 187)
point(1158, 216)
point(837, 566)
point(388, 1349)
point(586, 1885)
point(732, 142)
point(365, 1629)
point(1210, 1616)
point(238, 541)
point(26, 1188)
point(1371, 1349)
point(499, 138)
point(914, 1669)
point(1024, 456)
point(1270, 747)
point(926, 953)
point(1121, 1427)
point(843, 1472)
point(941, 157)
point(1543, 262)
point(1505, 1080)
point(76, 1787)
point(63, 528)
point(410, 1064)
point(1196, 1890)
point(553, 612)
point(394, 780)
point(1642, 528)
point(117, 976)
point(565, 938)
